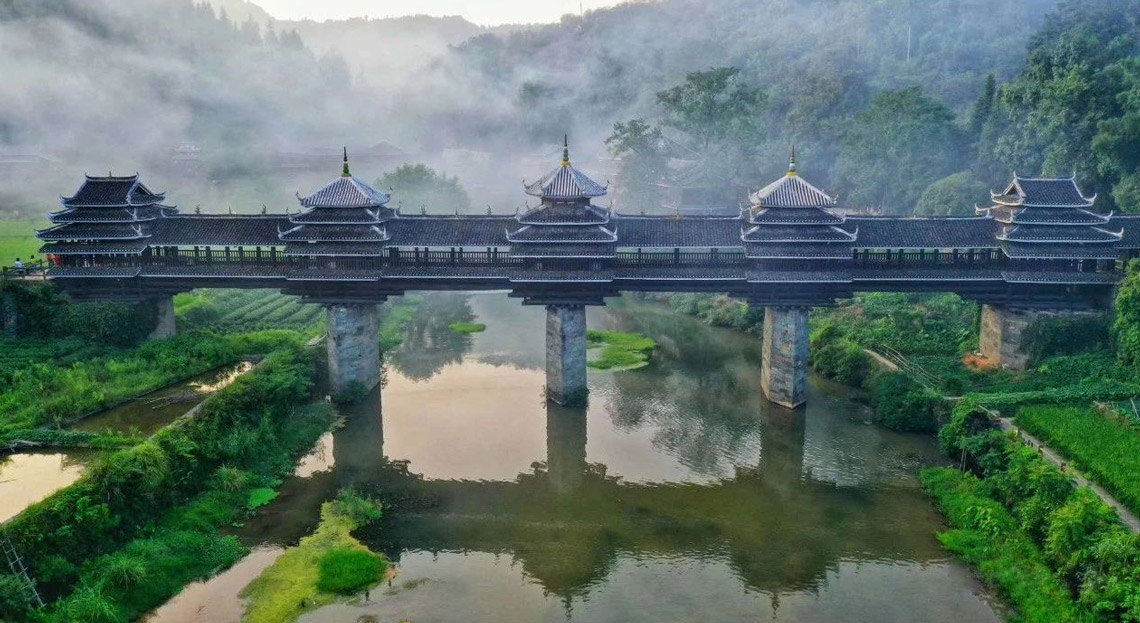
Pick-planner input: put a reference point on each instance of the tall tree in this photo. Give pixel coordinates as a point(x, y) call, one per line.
point(638, 145)
point(901, 144)
point(418, 186)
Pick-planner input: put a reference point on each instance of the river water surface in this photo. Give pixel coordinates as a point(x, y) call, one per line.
point(679, 494)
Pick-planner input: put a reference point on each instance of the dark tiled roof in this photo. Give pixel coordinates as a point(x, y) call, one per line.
point(238, 271)
point(1047, 192)
point(216, 230)
point(126, 247)
point(800, 276)
point(334, 274)
point(604, 250)
point(926, 274)
point(668, 232)
point(791, 191)
point(96, 231)
point(112, 191)
point(565, 182)
point(1053, 216)
point(446, 272)
point(1059, 251)
point(577, 213)
point(110, 215)
point(1058, 277)
point(346, 192)
point(837, 251)
point(791, 233)
point(335, 233)
point(794, 216)
point(102, 271)
point(335, 216)
point(369, 249)
point(678, 273)
point(559, 276)
point(418, 231)
point(561, 233)
point(934, 233)
point(1130, 223)
point(1058, 233)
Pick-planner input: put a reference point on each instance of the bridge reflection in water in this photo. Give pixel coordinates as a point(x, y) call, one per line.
point(503, 505)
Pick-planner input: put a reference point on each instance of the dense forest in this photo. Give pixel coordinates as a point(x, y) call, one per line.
point(893, 106)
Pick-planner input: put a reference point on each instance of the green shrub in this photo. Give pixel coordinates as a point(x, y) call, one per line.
point(986, 536)
point(903, 405)
point(260, 497)
point(347, 570)
point(837, 358)
point(468, 327)
point(1126, 325)
point(353, 392)
point(1048, 336)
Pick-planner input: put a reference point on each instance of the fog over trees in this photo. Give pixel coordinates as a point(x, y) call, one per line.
point(882, 99)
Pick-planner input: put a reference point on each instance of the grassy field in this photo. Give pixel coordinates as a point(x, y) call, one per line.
point(18, 240)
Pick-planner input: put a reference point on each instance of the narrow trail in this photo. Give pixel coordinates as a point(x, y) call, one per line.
point(1128, 517)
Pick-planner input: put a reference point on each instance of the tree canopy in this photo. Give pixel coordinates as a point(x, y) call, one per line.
point(419, 187)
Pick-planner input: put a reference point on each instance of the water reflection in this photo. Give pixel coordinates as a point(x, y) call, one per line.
point(677, 494)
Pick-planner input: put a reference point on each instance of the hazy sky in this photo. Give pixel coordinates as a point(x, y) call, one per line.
point(485, 12)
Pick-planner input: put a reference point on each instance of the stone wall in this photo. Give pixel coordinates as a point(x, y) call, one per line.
point(353, 346)
point(783, 373)
point(566, 354)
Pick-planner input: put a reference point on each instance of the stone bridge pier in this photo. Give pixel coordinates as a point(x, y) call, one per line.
point(566, 354)
point(783, 371)
point(353, 346)
point(165, 326)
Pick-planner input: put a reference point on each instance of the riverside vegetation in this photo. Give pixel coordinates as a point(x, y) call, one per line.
point(146, 520)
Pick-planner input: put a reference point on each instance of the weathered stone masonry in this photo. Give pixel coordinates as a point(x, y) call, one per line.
point(566, 354)
point(353, 346)
point(783, 373)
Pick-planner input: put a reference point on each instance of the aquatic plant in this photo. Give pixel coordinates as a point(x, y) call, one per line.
point(619, 351)
point(467, 327)
point(305, 577)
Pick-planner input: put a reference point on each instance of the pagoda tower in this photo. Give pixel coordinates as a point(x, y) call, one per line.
point(1044, 219)
point(566, 227)
point(790, 219)
point(107, 217)
point(339, 225)
point(788, 232)
point(567, 245)
point(344, 218)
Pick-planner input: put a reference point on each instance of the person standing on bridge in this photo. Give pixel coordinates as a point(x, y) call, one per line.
point(19, 267)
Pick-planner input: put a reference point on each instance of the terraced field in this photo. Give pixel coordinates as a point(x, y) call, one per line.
point(246, 310)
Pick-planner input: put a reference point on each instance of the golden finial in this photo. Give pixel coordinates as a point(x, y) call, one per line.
point(792, 162)
point(344, 170)
point(565, 150)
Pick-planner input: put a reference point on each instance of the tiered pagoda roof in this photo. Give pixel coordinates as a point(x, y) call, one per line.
point(1045, 218)
point(107, 215)
point(565, 224)
point(791, 219)
point(345, 217)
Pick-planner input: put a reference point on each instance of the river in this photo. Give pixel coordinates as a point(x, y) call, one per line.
point(679, 494)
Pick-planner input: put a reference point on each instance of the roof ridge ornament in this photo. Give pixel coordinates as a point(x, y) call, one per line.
point(344, 169)
point(792, 162)
point(565, 150)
